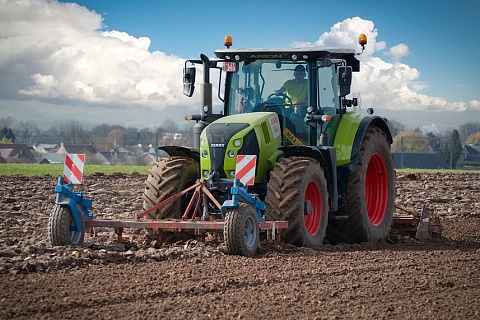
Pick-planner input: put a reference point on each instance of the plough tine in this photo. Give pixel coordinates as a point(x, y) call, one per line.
point(197, 205)
point(207, 192)
point(167, 201)
point(195, 196)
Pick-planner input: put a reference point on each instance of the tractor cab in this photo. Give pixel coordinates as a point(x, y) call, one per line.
point(306, 87)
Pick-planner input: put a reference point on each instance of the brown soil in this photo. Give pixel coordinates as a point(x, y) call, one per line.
point(397, 279)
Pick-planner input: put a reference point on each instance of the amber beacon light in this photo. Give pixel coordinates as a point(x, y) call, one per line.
point(362, 40)
point(228, 42)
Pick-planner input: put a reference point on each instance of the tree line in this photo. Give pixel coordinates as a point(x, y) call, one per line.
point(104, 137)
point(107, 137)
point(448, 145)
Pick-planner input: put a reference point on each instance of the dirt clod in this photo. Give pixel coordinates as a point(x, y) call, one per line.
point(401, 277)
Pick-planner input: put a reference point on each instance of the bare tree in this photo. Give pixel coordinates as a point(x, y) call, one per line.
point(6, 122)
point(168, 125)
point(474, 139)
point(468, 129)
point(409, 142)
point(116, 138)
point(71, 132)
point(395, 127)
point(26, 132)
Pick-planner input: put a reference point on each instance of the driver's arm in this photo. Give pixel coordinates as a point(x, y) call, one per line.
point(280, 91)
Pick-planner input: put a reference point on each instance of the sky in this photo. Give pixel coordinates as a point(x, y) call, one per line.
point(120, 62)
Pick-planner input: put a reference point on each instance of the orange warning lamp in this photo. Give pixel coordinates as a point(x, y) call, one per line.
point(362, 40)
point(228, 42)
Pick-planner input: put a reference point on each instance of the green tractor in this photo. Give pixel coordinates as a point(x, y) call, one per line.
point(320, 165)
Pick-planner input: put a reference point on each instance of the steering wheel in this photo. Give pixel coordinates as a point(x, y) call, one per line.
point(283, 95)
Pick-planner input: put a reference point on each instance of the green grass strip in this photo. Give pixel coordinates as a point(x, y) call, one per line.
point(27, 169)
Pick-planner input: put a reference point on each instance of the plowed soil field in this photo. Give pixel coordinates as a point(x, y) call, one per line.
point(402, 278)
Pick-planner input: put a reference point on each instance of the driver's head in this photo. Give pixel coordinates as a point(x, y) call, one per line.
point(299, 72)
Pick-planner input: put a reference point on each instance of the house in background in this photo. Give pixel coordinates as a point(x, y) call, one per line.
point(16, 153)
point(471, 156)
point(471, 153)
point(419, 161)
point(44, 148)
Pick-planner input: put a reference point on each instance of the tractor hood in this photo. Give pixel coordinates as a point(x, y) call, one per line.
point(256, 133)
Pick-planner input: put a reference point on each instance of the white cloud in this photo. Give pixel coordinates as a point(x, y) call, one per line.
point(474, 105)
point(418, 85)
point(52, 50)
point(60, 53)
point(398, 52)
point(386, 85)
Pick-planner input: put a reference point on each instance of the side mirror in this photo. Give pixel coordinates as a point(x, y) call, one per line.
point(344, 75)
point(189, 81)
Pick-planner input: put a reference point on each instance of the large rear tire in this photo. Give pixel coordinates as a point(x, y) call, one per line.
point(297, 193)
point(241, 232)
point(167, 177)
point(61, 227)
point(370, 193)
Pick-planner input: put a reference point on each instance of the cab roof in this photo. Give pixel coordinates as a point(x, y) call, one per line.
point(293, 54)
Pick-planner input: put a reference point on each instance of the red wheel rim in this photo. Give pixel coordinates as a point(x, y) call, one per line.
point(376, 189)
point(313, 220)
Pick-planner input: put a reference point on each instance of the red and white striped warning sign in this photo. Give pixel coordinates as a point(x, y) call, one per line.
point(245, 169)
point(73, 169)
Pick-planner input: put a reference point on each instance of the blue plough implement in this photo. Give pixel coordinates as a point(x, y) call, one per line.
point(241, 222)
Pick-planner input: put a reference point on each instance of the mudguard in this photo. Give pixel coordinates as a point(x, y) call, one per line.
point(178, 151)
point(349, 135)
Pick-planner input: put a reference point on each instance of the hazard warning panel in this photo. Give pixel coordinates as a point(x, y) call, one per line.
point(73, 169)
point(245, 169)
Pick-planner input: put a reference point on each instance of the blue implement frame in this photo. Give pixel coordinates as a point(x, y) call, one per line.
point(238, 190)
point(75, 200)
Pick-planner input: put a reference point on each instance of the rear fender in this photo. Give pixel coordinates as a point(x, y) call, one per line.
point(349, 137)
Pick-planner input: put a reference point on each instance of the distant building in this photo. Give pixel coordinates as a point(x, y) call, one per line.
point(419, 161)
point(471, 153)
point(16, 153)
point(44, 148)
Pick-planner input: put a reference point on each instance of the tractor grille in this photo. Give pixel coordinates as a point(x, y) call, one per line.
point(218, 135)
point(266, 133)
point(250, 144)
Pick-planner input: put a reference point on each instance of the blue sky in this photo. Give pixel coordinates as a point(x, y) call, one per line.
point(120, 61)
point(443, 36)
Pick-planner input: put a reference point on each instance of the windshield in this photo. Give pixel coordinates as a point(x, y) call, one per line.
point(283, 87)
point(259, 81)
point(282, 82)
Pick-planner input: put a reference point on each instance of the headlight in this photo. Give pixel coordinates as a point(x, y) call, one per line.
point(237, 143)
point(204, 153)
point(231, 153)
point(232, 173)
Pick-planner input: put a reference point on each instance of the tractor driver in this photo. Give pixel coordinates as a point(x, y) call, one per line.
point(297, 88)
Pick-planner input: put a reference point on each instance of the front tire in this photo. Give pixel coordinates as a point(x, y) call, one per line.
point(61, 227)
point(297, 192)
point(241, 232)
